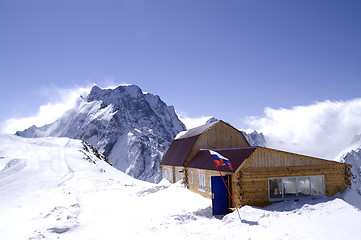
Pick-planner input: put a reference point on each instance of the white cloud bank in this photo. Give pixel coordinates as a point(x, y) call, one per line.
point(48, 113)
point(192, 122)
point(61, 100)
point(323, 129)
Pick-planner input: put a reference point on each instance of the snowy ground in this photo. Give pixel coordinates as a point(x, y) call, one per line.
point(49, 189)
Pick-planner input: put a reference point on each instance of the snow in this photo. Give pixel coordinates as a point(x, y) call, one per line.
point(353, 195)
point(105, 115)
point(180, 134)
point(119, 156)
point(53, 188)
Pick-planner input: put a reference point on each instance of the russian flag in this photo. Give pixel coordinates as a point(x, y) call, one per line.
point(220, 160)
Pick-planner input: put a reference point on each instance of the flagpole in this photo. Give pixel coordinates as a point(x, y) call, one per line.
point(229, 193)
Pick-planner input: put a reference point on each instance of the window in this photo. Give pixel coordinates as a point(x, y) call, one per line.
point(284, 188)
point(303, 186)
point(289, 188)
point(170, 176)
point(202, 182)
point(181, 176)
point(275, 188)
point(165, 174)
point(191, 177)
point(317, 186)
point(210, 184)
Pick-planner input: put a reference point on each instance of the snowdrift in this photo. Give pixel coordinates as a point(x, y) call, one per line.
point(57, 188)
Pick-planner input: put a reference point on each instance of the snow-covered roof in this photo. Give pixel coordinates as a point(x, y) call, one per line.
point(182, 145)
point(195, 131)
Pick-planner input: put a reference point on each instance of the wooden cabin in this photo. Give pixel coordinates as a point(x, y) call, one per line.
point(183, 148)
point(260, 175)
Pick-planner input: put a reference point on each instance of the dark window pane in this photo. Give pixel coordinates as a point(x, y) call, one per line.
point(275, 188)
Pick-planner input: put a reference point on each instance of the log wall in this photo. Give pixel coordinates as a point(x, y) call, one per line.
point(252, 183)
point(195, 186)
point(179, 174)
point(174, 174)
point(249, 184)
point(166, 170)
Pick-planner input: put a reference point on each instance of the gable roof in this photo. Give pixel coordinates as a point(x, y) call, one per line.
point(180, 148)
point(178, 151)
point(204, 160)
point(182, 145)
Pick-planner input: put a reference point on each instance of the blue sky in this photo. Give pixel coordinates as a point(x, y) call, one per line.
point(228, 59)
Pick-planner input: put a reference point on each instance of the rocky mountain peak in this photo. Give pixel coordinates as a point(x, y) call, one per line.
point(133, 129)
point(211, 120)
point(114, 95)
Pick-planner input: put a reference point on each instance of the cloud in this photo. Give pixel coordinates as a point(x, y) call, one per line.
point(323, 129)
point(62, 100)
point(109, 83)
point(192, 122)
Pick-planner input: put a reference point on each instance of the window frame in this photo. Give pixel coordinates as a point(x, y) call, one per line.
point(181, 176)
point(202, 182)
point(297, 195)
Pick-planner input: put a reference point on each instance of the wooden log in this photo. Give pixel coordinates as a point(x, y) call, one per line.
point(291, 168)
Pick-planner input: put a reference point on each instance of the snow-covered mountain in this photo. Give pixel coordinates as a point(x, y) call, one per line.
point(353, 157)
point(133, 129)
point(255, 139)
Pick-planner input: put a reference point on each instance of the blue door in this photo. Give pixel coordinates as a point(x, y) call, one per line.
point(219, 193)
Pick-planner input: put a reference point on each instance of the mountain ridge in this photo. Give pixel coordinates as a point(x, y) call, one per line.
point(133, 129)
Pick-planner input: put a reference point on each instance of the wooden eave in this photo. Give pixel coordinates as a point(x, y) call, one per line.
point(267, 158)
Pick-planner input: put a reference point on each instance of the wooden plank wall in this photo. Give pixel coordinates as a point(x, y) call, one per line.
point(250, 186)
point(252, 177)
point(220, 135)
point(252, 183)
point(168, 169)
point(176, 173)
point(195, 186)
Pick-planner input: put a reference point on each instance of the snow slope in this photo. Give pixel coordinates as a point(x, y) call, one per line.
point(57, 188)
